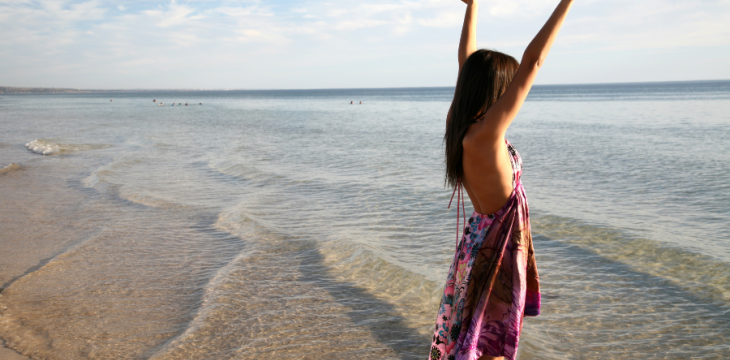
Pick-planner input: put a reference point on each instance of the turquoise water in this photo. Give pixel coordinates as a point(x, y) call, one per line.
point(293, 224)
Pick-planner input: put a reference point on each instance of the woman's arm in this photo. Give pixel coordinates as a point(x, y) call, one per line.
point(500, 115)
point(468, 42)
point(538, 49)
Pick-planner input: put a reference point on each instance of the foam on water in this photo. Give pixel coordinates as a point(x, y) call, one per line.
point(43, 147)
point(47, 147)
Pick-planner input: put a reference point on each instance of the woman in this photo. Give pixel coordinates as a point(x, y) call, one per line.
point(492, 283)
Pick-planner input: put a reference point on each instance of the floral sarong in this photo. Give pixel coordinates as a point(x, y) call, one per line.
point(492, 283)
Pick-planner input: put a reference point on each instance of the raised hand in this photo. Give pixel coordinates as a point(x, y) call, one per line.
point(468, 42)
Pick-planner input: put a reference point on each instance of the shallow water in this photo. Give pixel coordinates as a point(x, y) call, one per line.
point(293, 224)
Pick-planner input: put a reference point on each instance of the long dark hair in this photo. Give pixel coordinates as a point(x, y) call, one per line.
point(485, 76)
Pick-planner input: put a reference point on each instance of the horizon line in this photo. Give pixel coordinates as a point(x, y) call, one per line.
point(28, 88)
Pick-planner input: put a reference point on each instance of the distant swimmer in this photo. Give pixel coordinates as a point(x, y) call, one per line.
point(111, 100)
point(154, 100)
point(201, 103)
point(360, 102)
point(186, 104)
point(351, 102)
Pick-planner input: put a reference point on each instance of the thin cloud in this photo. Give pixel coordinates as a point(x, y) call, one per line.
point(71, 39)
point(172, 16)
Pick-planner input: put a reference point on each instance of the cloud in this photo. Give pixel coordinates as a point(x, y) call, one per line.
point(443, 20)
point(624, 25)
point(520, 8)
point(79, 39)
point(173, 15)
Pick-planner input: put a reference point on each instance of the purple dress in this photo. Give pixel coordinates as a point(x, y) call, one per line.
point(492, 282)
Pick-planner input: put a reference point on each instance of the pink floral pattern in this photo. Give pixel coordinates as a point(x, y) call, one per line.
point(492, 283)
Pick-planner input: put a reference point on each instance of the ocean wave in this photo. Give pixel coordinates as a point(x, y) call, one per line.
point(279, 283)
point(407, 291)
point(10, 167)
point(46, 147)
point(213, 295)
point(241, 171)
point(695, 273)
point(148, 200)
point(103, 173)
point(410, 293)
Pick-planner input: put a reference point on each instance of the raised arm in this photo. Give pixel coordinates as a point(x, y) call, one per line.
point(500, 115)
point(539, 47)
point(468, 42)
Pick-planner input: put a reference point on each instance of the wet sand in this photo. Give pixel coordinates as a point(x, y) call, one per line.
point(113, 252)
point(31, 197)
point(82, 279)
point(8, 354)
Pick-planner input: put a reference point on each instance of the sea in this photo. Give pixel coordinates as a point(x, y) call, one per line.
point(294, 224)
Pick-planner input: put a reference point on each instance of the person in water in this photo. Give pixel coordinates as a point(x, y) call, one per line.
point(492, 282)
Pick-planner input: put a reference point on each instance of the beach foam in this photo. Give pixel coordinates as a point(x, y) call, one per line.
point(43, 147)
point(46, 147)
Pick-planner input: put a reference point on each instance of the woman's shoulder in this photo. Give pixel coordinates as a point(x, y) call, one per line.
point(479, 138)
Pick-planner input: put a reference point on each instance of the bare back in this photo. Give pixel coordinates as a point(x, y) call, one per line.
point(486, 163)
point(487, 173)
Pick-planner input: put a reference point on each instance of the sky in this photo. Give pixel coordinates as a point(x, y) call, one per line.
point(304, 44)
